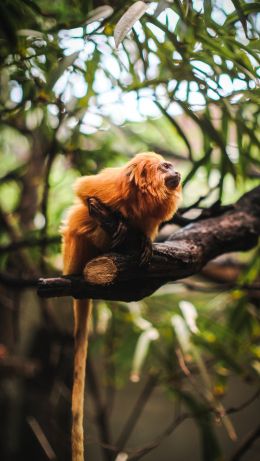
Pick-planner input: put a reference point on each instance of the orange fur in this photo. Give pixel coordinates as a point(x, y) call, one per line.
point(138, 191)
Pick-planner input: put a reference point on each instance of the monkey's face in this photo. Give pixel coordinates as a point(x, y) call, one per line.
point(172, 178)
point(153, 175)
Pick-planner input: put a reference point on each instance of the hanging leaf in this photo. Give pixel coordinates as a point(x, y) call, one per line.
point(207, 10)
point(59, 68)
point(162, 5)
point(33, 6)
point(30, 33)
point(141, 351)
point(245, 10)
point(196, 165)
point(240, 14)
point(209, 442)
point(129, 18)
point(182, 332)
point(190, 315)
point(101, 12)
point(177, 127)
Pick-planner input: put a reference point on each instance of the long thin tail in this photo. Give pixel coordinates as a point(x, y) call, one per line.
point(82, 313)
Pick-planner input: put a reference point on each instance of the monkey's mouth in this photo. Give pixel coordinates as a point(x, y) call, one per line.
point(173, 180)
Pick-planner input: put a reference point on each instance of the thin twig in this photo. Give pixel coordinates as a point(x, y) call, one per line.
point(140, 452)
point(29, 243)
point(17, 283)
point(246, 444)
point(136, 412)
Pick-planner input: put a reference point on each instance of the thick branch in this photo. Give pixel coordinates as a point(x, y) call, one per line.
point(114, 276)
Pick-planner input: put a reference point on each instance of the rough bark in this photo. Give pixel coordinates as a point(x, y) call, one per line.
point(113, 276)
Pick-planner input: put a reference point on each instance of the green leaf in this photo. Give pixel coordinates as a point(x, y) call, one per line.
point(59, 68)
point(241, 15)
point(209, 444)
point(202, 161)
point(205, 125)
point(177, 126)
point(207, 10)
point(245, 9)
point(33, 6)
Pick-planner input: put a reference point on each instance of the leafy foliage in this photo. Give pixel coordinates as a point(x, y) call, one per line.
point(84, 85)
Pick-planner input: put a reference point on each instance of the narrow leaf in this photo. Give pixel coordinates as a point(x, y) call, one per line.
point(246, 9)
point(240, 14)
point(129, 18)
point(207, 10)
point(162, 5)
point(202, 161)
point(33, 6)
point(30, 33)
point(101, 12)
point(177, 127)
point(141, 351)
point(59, 68)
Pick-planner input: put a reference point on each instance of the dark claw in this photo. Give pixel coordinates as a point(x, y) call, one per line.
point(119, 235)
point(103, 214)
point(124, 237)
point(146, 252)
point(97, 209)
point(111, 221)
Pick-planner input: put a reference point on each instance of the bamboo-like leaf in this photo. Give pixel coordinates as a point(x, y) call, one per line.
point(209, 443)
point(177, 126)
point(33, 6)
point(161, 6)
point(30, 33)
point(141, 48)
point(59, 68)
point(182, 332)
point(246, 9)
point(190, 315)
point(196, 166)
point(240, 14)
point(129, 18)
point(205, 125)
point(141, 351)
point(207, 9)
point(101, 12)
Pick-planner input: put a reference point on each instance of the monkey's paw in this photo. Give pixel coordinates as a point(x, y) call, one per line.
point(119, 236)
point(145, 252)
point(97, 209)
point(108, 219)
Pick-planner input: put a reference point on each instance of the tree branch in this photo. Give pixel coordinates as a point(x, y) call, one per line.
point(117, 277)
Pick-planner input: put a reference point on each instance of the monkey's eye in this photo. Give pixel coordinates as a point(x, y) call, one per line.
point(167, 166)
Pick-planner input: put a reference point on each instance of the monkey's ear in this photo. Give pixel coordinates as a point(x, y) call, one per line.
point(130, 172)
point(143, 173)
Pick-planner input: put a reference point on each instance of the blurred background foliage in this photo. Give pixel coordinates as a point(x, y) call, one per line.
point(184, 83)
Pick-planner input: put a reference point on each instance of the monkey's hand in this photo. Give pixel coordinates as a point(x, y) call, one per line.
point(124, 237)
point(113, 222)
point(146, 250)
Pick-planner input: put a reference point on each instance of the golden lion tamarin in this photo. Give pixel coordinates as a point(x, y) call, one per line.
point(136, 198)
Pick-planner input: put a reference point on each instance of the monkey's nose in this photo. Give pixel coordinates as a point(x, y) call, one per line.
point(173, 180)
